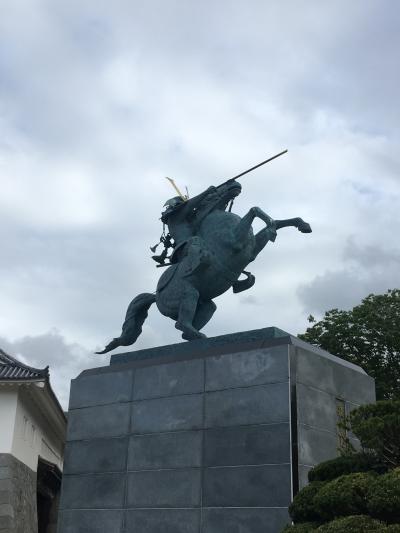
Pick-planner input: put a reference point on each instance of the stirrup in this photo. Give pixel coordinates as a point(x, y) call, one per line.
point(158, 259)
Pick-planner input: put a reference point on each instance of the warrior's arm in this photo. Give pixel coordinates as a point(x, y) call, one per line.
point(184, 210)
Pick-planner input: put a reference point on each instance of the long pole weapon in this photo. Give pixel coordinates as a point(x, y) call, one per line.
point(249, 170)
point(184, 198)
point(256, 166)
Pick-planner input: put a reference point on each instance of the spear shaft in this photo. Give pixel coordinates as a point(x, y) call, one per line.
point(256, 166)
point(184, 198)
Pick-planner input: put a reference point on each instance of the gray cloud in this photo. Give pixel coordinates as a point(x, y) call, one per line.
point(67, 359)
point(367, 269)
point(98, 102)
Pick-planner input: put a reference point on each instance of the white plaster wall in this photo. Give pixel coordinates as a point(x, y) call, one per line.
point(33, 435)
point(8, 408)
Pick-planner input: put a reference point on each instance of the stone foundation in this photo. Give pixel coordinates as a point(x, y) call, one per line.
point(17, 496)
point(211, 436)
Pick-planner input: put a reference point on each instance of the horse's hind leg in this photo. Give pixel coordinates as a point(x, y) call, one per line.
point(205, 311)
point(187, 312)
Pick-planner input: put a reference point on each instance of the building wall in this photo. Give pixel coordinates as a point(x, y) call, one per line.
point(28, 430)
point(8, 408)
point(33, 435)
point(17, 496)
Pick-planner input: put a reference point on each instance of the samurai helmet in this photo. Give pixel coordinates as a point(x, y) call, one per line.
point(173, 202)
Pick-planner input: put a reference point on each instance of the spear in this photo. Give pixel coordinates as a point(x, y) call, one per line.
point(249, 170)
point(184, 198)
point(256, 166)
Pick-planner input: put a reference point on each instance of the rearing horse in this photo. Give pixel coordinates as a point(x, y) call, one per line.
point(186, 297)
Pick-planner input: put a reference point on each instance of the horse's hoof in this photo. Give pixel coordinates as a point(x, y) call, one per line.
point(191, 337)
point(189, 333)
point(304, 227)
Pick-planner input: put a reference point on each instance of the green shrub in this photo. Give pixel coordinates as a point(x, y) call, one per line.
point(305, 527)
point(346, 495)
point(384, 497)
point(348, 464)
point(378, 428)
point(353, 524)
point(302, 509)
point(393, 528)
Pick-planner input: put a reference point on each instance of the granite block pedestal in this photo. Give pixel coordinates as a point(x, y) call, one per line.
point(211, 436)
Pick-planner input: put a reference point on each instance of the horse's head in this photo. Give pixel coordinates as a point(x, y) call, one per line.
point(228, 191)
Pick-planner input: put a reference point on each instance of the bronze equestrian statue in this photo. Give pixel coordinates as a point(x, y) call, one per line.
point(211, 249)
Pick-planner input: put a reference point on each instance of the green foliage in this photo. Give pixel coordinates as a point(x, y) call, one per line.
point(377, 426)
point(368, 335)
point(353, 524)
point(305, 527)
point(393, 528)
point(384, 497)
point(360, 492)
point(347, 464)
point(302, 509)
point(344, 496)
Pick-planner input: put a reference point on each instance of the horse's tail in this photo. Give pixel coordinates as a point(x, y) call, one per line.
point(136, 314)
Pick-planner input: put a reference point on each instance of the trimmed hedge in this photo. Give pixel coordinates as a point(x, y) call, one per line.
point(302, 508)
point(353, 524)
point(305, 527)
point(384, 497)
point(357, 493)
point(347, 464)
point(393, 528)
point(344, 496)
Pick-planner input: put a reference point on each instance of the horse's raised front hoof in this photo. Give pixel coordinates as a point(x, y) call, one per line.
point(304, 227)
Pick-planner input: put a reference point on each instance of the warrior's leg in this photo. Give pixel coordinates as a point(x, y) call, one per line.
point(187, 311)
point(205, 311)
point(197, 258)
point(160, 259)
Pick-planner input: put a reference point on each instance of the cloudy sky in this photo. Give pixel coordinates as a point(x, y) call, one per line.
point(100, 100)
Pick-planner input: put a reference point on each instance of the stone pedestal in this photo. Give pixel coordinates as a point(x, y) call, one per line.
point(211, 436)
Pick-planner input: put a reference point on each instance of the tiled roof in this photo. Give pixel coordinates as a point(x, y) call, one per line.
point(11, 369)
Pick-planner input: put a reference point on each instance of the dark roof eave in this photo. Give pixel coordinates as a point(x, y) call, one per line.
point(15, 372)
point(9, 361)
point(22, 380)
